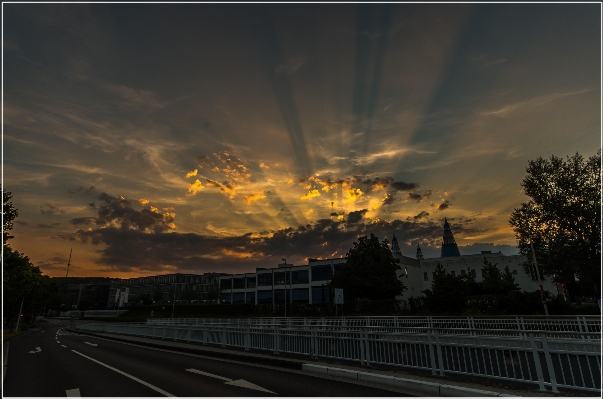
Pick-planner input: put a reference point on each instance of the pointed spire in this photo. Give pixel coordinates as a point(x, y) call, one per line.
point(419, 252)
point(449, 247)
point(395, 246)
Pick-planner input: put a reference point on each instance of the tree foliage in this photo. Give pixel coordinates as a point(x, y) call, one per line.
point(23, 283)
point(157, 293)
point(369, 272)
point(448, 293)
point(562, 218)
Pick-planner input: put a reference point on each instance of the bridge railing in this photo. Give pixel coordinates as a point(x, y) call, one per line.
point(548, 359)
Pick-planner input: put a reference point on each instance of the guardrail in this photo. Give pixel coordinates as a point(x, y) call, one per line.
point(519, 324)
point(539, 357)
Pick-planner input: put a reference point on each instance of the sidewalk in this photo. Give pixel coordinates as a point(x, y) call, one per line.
point(415, 382)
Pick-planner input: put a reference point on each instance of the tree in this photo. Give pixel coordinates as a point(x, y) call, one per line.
point(158, 293)
point(448, 294)
point(562, 218)
point(9, 213)
point(188, 295)
point(491, 279)
point(508, 284)
point(370, 271)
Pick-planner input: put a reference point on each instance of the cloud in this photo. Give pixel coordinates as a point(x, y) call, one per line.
point(254, 197)
point(51, 209)
point(402, 186)
point(444, 205)
point(420, 215)
point(351, 194)
point(118, 211)
point(289, 66)
point(264, 166)
point(133, 248)
point(87, 221)
point(48, 226)
point(310, 194)
point(135, 98)
point(80, 189)
point(388, 200)
point(195, 187)
point(356, 216)
point(191, 173)
point(418, 196)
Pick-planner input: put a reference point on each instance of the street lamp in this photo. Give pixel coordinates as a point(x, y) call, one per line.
point(285, 260)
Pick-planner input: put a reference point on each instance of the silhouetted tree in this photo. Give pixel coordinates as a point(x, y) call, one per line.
point(563, 218)
point(369, 272)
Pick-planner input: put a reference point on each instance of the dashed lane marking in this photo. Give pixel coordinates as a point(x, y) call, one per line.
point(91, 344)
point(63, 346)
point(236, 383)
point(153, 387)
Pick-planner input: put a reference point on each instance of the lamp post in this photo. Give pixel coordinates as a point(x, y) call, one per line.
point(285, 260)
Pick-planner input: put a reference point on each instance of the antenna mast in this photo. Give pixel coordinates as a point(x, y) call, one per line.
point(69, 262)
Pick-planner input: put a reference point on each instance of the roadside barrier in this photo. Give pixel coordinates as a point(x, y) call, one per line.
point(551, 359)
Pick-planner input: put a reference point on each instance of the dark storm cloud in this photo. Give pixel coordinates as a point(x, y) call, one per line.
point(83, 221)
point(51, 209)
point(403, 186)
point(376, 183)
point(444, 205)
point(420, 215)
point(356, 216)
point(119, 210)
point(82, 189)
point(418, 196)
point(129, 246)
point(388, 200)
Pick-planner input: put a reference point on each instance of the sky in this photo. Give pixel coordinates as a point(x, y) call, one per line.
point(193, 138)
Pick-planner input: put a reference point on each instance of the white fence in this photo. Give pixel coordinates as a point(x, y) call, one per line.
point(545, 358)
point(479, 325)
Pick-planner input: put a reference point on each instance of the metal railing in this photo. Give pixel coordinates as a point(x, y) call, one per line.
point(518, 324)
point(539, 357)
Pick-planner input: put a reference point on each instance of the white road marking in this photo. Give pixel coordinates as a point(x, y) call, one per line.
point(38, 349)
point(90, 344)
point(237, 383)
point(73, 392)
point(208, 374)
point(63, 346)
point(153, 387)
point(58, 342)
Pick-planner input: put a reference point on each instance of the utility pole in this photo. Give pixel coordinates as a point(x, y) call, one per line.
point(69, 262)
point(546, 309)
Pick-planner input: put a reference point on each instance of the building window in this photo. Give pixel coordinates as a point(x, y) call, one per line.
point(225, 298)
point(279, 278)
point(265, 296)
point(264, 279)
point(250, 297)
point(514, 271)
point(251, 282)
point(238, 297)
point(425, 277)
point(321, 273)
point(301, 295)
point(321, 294)
point(225, 284)
point(238, 282)
point(279, 296)
point(300, 277)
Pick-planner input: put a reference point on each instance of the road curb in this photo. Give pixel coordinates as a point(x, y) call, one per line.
point(426, 387)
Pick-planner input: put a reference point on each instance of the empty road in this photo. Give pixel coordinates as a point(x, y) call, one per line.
point(55, 362)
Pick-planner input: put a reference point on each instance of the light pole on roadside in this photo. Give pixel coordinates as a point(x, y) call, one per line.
point(285, 260)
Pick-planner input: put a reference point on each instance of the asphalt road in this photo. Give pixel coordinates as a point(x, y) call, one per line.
point(55, 362)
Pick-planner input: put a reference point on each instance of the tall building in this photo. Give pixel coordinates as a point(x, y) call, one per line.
point(419, 252)
point(449, 247)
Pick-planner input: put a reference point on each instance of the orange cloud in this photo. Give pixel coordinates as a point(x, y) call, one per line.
point(143, 202)
point(310, 194)
point(254, 197)
point(195, 187)
point(264, 166)
point(191, 173)
point(352, 194)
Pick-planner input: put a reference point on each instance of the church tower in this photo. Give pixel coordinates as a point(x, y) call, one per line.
point(419, 252)
point(396, 247)
point(449, 248)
